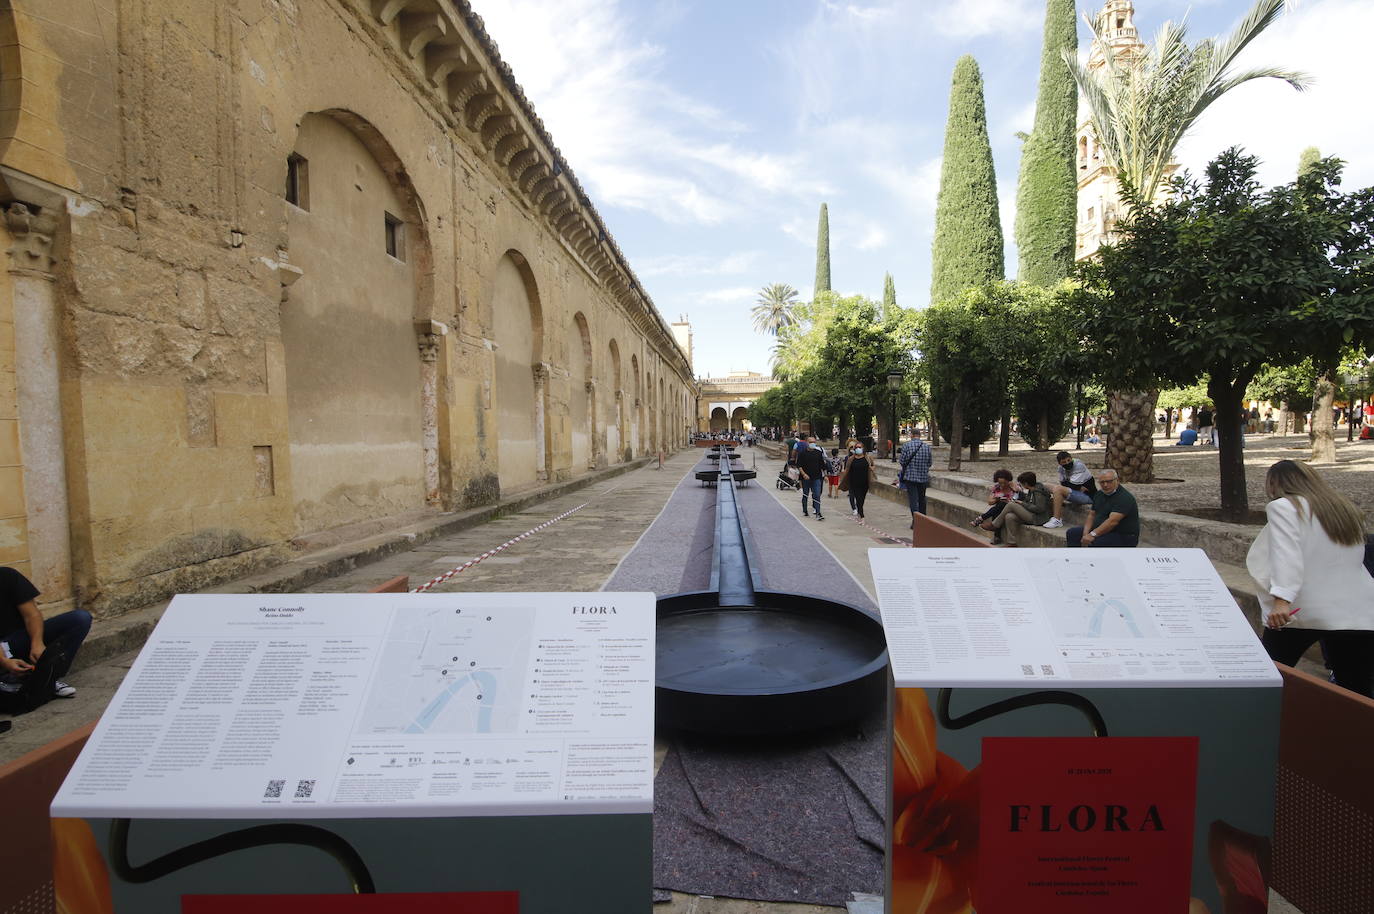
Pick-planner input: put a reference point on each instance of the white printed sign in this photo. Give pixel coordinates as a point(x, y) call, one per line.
point(367, 705)
point(1093, 617)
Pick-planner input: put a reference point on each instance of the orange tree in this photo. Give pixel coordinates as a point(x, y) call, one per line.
point(1225, 278)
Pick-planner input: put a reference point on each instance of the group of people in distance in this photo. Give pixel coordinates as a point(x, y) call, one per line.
point(1027, 502)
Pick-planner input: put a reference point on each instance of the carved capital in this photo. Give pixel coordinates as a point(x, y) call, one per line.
point(430, 335)
point(32, 232)
point(541, 373)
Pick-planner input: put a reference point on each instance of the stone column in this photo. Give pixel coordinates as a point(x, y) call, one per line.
point(38, 349)
point(541, 444)
point(594, 452)
point(430, 337)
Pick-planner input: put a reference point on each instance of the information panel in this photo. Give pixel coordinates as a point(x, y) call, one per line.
point(371, 705)
point(1093, 617)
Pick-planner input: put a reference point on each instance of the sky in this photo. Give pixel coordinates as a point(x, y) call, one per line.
point(709, 132)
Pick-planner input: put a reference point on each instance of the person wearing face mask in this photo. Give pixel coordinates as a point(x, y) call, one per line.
point(857, 477)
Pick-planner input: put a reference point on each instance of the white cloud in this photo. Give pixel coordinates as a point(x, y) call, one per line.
point(733, 294)
point(874, 236)
point(632, 139)
point(977, 18)
point(695, 264)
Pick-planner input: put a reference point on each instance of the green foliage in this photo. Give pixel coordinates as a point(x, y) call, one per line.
point(838, 357)
point(1047, 191)
point(1181, 397)
point(1141, 110)
point(889, 294)
point(1293, 384)
point(773, 312)
point(1043, 414)
point(822, 252)
point(1224, 278)
point(967, 250)
point(773, 408)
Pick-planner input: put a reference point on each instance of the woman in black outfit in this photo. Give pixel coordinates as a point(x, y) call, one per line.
point(858, 469)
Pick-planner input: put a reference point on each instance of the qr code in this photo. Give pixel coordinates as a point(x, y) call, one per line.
point(273, 790)
point(1047, 669)
point(1027, 670)
point(304, 789)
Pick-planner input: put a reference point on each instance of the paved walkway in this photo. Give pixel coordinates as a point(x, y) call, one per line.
point(579, 552)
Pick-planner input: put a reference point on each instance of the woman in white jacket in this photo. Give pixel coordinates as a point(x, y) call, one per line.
point(1309, 563)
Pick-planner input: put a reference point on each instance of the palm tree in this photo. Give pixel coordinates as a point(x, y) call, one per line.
point(774, 311)
point(1142, 106)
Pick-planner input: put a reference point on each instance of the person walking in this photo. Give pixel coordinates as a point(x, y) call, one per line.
point(1030, 506)
point(857, 477)
point(915, 459)
point(811, 464)
point(1309, 564)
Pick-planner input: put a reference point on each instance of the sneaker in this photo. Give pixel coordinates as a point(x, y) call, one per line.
point(61, 690)
point(977, 521)
point(1053, 522)
point(10, 687)
point(854, 511)
point(818, 516)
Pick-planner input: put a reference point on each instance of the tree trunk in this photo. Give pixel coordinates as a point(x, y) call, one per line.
point(956, 432)
point(1322, 435)
point(843, 434)
point(1284, 422)
point(1235, 500)
point(934, 430)
point(1169, 422)
point(1004, 442)
point(1131, 434)
point(1043, 442)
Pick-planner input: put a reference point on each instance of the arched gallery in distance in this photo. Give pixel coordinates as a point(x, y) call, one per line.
point(280, 268)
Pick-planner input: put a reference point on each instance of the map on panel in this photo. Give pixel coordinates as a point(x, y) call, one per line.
point(450, 671)
point(1091, 596)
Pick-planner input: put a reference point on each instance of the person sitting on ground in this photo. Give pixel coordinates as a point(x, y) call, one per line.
point(1029, 507)
point(25, 636)
point(1187, 437)
point(1075, 486)
point(811, 463)
point(1003, 490)
point(1116, 517)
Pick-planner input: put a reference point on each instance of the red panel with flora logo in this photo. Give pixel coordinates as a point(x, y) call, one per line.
point(1086, 825)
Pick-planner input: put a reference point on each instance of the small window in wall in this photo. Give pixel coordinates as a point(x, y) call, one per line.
point(1091, 212)
point(298, 181)
point(395, 236)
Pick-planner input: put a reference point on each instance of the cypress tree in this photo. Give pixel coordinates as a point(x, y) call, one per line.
point(1047, 192)
point(822, 253)
point(889, 294)
point(967, 250)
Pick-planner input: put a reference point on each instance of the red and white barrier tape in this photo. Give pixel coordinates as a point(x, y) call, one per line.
point(490, 552)
point(862, 523)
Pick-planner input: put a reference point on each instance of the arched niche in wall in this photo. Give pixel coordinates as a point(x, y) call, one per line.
point(581, 395)
point(613, 398)
point(356, 419)
point(520, 376)
point(637, 408)
point(720, 420)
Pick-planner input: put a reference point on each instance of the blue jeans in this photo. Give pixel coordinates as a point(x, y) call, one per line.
point(815, 487)
point(1075, 539)
point(64, 632)
point(916, 496)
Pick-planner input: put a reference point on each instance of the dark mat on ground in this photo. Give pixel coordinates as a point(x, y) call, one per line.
point(796, 820)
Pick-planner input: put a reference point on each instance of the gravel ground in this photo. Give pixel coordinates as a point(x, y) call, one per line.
point(1195, 482)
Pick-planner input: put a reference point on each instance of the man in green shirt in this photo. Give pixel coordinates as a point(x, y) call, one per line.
point(1116, 518)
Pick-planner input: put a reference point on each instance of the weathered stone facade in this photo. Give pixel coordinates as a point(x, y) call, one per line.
point(278, 266)
point(723, 404)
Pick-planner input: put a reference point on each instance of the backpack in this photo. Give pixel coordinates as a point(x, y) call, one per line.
point(35, 689)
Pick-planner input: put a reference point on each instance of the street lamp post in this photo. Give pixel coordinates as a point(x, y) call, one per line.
point(894, 385)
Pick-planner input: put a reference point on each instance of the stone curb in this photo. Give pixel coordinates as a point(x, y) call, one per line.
point(128, 631)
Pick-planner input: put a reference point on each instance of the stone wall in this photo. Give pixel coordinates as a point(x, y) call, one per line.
point(438, 319)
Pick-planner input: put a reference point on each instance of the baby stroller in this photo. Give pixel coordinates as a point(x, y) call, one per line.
point(787, 479)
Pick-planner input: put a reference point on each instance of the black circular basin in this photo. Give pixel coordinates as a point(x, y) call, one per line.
point(789, 663)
